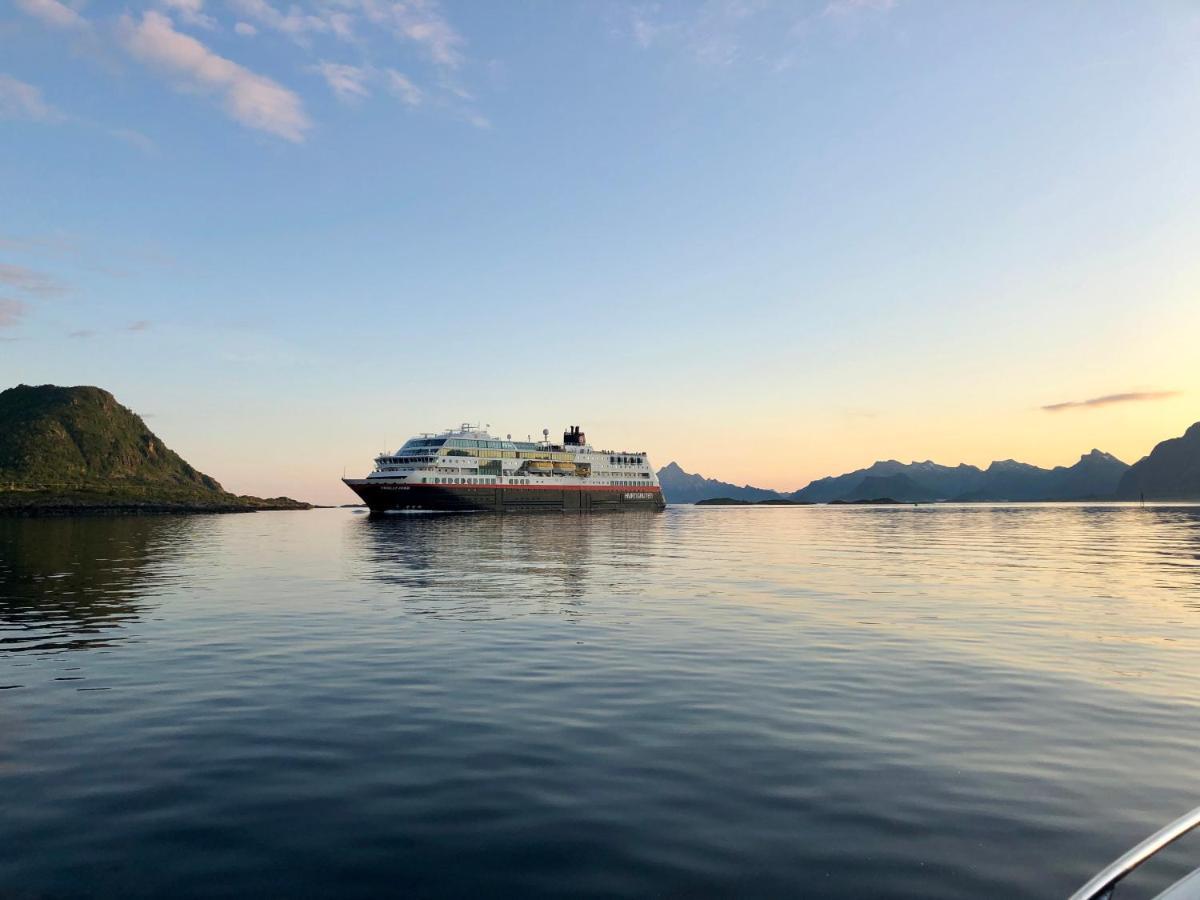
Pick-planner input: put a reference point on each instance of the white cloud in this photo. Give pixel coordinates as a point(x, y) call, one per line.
point(294, 23)
point(245, 29)
point(421, 22)
point(191, 12)
point(348, 82)
point(400, 85)
point(845, 7)
point(53, 13)
point(11, 311)
point(19, 100)
point(252, 99)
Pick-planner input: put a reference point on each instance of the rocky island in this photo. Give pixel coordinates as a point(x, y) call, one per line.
point(68, 450)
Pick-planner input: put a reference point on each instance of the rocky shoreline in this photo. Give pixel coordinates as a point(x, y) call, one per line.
point(48, 503)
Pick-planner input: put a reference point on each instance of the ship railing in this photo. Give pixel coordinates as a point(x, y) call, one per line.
point(1102, 886)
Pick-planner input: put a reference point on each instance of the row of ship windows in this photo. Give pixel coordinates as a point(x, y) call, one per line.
point(474, 481)
point(466, 442)
point(495, 453)
point(634, 474)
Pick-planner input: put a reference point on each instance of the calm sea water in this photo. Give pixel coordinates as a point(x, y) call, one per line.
point(932, 702)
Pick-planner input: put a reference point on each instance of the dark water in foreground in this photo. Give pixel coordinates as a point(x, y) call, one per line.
point(907, 702)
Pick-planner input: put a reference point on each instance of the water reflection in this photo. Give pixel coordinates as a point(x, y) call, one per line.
point(933, 702)
point(75, 583)
point(483, 566)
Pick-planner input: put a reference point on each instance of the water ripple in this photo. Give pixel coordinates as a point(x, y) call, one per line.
point(926, 702)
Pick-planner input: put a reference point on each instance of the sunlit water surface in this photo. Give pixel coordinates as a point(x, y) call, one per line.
point(932, 702)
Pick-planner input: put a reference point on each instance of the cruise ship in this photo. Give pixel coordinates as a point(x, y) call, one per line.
point(468, 469)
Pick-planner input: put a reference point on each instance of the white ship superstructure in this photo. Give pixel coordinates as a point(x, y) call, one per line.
point(446, 471)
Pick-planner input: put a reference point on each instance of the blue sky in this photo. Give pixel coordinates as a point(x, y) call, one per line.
point(842, 230)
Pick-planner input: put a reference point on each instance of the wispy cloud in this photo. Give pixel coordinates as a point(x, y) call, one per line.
point(39, 284)
point(163, 35)
point(56, 244)
point(295, 23)
point(644, 26)
point(422, 23)
point(252, 99)
point(848, 7)
point(400, 85)
point(711, 32)
point(723, 32)
point(12, 311)
point(135, 139)
point(191, 12)
point(1110, 399)
point(349, 83)
point(140, 325)
point(82, 333)
point(53, 13)
point(20, 100)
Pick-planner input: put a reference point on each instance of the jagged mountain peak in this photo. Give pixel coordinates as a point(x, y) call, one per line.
point(1171, 471)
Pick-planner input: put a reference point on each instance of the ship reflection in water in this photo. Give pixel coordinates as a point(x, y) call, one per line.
point(480, 566)
point(845, 702)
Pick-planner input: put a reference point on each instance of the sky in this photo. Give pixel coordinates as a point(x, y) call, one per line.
point(769, 240)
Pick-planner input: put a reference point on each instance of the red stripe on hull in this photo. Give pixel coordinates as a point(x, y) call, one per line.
point(510, 487)
point(382, 496)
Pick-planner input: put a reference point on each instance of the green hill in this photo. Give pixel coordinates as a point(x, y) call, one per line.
point(65, 449)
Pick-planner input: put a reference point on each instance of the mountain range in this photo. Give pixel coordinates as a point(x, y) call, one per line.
point(682, 487)
point(1170, 472)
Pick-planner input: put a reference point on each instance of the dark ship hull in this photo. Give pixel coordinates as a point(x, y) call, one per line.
point(383, 496)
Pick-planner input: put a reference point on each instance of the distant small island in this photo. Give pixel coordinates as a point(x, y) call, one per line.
point(72, 450)
point(731, 501)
